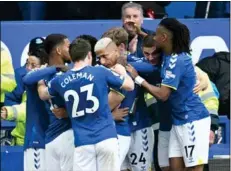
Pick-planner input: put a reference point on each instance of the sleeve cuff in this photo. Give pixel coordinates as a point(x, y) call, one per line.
point(117, 92)
point(10, 113)
point(174, 88)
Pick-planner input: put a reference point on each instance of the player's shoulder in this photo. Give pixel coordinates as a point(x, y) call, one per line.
point(101, 68)
point(181, 56)
point(53, 78)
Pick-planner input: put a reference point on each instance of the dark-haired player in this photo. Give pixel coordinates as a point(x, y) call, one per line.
point(92, 40)
point(59, 134)
point(84, 89)
point(36, 118)
point(189, 136)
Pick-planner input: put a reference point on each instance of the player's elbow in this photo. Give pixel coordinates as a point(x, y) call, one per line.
point(131, 86)
point(163, 96)
point(128, 85)
point(43, 95)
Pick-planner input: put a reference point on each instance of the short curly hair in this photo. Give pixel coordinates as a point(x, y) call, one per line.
point(118, 35)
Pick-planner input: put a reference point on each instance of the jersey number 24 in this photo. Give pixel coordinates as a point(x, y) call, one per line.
point(88, 88)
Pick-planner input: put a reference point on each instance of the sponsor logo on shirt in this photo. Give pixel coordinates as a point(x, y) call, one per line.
point(169, 74)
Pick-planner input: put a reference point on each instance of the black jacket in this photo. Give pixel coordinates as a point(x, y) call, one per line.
point(218, 69)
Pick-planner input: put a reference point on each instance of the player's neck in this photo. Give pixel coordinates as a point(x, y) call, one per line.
point(53, 60)
point(168, 50)
point(79, 65)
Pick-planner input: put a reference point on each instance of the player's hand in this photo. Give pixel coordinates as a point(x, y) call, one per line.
point(133, 44)
point(132, 71)
point(202, 80)
point(211, 138)
point(60, 113)
point(199, 86)
point(62, 68)
point(3, 113)
point(119, 114)
point(119, 69)
point(44, 66)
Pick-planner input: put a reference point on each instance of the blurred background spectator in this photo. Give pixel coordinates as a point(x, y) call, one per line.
point(108, 10)
point(218, 69)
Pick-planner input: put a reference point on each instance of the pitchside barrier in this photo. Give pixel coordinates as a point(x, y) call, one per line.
point(219, 154)
point(207, 36)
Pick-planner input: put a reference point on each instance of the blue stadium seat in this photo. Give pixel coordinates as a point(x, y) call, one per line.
point(181, 9)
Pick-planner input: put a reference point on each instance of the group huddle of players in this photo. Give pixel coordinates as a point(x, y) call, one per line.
point(104, 113)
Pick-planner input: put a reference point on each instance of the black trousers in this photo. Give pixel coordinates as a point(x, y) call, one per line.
point(156, 162)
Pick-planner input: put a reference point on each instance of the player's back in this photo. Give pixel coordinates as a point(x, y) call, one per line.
point(86, 96)
point(56, 126)
point(186, 105)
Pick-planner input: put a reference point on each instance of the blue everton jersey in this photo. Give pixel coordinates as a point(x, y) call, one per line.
point(86, 97)
point(36, 119)
point(178, 73)
point(122, 127)
point(143, 117)
point(161, 111)
point(56, 126)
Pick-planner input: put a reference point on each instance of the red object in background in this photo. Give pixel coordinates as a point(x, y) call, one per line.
point(150, 13)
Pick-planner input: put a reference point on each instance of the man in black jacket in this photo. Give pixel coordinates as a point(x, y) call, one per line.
point(218, 69)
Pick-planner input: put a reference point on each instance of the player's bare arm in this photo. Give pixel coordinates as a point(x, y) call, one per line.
point(114, 99)
point(128, 83)
point(162, 93)
point(43, 91)
point(203, 80)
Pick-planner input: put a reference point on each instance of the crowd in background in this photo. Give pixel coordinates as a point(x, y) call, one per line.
point(10, 11)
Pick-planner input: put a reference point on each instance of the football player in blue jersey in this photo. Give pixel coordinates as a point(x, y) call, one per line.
point(138, 158)
point(161, 110)
point(36, 120)
point(189, 136)
point(59, 134)
point(84, 89)
point(120, 99)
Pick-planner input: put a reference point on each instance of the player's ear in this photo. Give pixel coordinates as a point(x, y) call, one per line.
point(164, 37)
point(58, 50)
point(89, 55)
point(89, 58)
point(122, 47)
